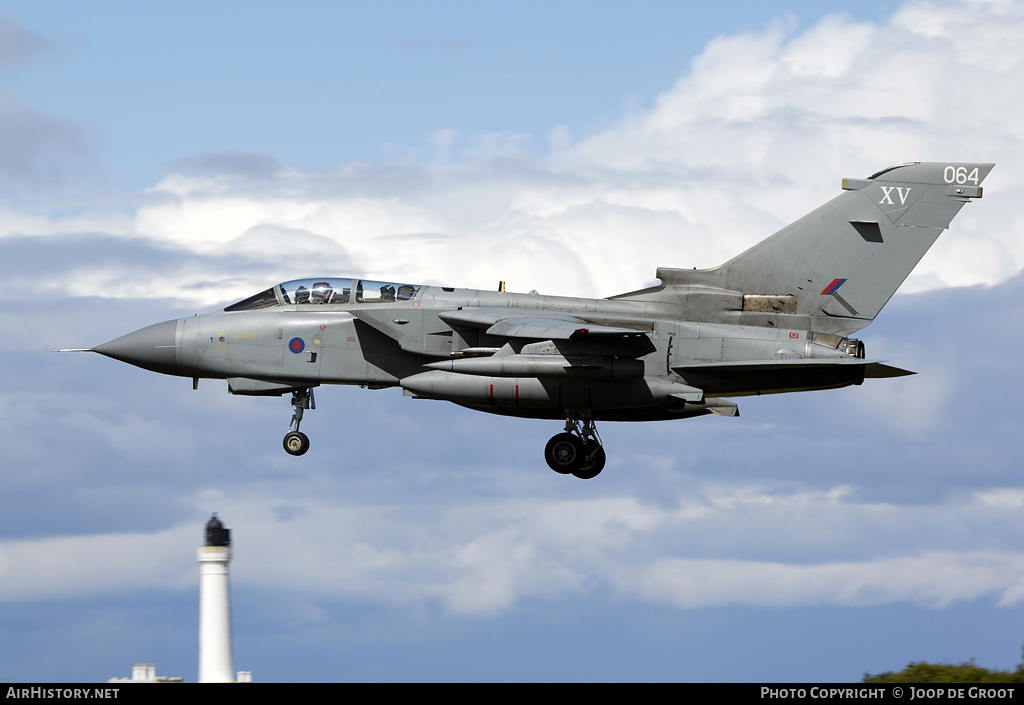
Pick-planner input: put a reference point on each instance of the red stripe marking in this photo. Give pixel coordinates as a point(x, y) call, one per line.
point(831, 288)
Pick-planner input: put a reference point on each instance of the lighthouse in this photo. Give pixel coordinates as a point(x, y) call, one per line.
point(216, 663)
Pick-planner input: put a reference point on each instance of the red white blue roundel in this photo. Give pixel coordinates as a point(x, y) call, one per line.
point(296, 345)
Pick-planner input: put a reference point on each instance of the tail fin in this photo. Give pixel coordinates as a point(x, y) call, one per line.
point(848, 257)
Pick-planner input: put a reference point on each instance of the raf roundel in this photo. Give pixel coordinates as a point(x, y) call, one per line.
point(296, 345)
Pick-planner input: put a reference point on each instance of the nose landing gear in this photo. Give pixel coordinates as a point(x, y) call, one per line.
point(577, 450)
point(296, 442)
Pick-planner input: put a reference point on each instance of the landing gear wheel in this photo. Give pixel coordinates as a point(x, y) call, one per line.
point(565, 453)
point(593, 462)
point(296, 443)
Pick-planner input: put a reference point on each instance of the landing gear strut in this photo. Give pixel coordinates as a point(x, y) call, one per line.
point(577, 450)
point(296, 442)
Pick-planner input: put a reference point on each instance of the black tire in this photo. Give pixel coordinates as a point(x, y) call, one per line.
point(296, 443)
point(590, 470)
point(565, 453)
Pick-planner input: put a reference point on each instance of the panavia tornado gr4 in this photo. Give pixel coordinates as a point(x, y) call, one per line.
point(777, 318)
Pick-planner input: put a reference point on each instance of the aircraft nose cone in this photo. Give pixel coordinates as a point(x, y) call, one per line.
point(154, 348)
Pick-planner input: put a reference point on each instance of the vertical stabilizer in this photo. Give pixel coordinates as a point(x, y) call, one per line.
point(848, 257)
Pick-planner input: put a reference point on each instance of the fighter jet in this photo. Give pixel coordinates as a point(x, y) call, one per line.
point(776, 318)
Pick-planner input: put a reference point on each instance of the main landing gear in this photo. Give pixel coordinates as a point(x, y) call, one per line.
point(577, 450)
point(296, 442)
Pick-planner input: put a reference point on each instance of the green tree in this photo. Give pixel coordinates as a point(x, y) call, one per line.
point(967, 672)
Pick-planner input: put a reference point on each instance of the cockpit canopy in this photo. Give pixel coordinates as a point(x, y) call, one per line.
point(326, 290)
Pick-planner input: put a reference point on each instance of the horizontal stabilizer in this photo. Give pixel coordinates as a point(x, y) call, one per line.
point(876, 370)
point(750, 377)
point(754, 365)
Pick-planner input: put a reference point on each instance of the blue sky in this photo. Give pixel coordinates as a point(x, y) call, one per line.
point(321, 83)
point(158, 162)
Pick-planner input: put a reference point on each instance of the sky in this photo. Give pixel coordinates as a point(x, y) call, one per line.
point(162, 160)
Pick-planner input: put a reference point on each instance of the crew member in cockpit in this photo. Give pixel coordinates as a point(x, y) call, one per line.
point(321, 293)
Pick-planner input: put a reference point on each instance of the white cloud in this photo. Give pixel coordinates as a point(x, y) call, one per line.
point(59, 567)
point(484, 558)
point(928, 580)
point(758, 132)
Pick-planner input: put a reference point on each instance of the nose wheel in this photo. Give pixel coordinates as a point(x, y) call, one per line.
point(296, 442)
point(577, 450)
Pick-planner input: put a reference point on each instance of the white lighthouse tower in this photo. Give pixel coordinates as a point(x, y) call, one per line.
point(216, 663)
